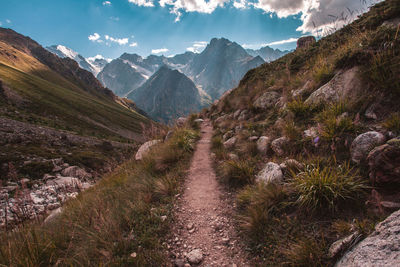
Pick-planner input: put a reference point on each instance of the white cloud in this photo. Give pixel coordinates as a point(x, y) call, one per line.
point(197, 46)
point(114, 18)
point(287, 41)
point(241, 4)
point(317, 15)
point(120, 41)
point(159, 51)
point(146, 3)
point(95, 37)
point(92, 59)
point(133, 44)
point(8, 21)
point(1, 23)
point(106, 3)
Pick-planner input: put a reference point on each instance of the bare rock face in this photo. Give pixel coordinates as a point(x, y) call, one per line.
point(267, 100)
point(381, 248)
point(271, 173)
point(344, 85)
point(145, 148)
point(305, 42)
point(262, 144)
point(384, 162)
point(363, 144)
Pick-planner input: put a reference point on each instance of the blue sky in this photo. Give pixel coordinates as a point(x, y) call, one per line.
point(168, 27)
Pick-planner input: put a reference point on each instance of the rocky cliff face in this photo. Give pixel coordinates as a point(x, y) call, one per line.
point(221, 66)
point(167, 95)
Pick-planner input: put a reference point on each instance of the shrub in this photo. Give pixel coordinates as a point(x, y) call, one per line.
point(321, 188)
point(306, 252)
point(238, 173)
point(36, 170)
point(392, 123)
point(300, 109)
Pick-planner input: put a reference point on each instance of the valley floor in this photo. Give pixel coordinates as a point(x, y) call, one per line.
point(204, 232)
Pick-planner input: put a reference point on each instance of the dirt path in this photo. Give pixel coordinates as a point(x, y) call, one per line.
point(203, 217)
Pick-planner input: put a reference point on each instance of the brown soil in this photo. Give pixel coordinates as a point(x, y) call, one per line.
point(205, 206)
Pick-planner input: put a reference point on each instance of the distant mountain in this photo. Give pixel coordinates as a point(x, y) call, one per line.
point(129, 71)
point(169, 94)
point(217, 69)
point(267, 53)
point(65, 52)
point(221, 66)
point(98, 63)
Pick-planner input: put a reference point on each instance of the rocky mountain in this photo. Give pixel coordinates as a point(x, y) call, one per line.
point(217, 69)
point(221, 66)
point(93, 66)
point(169, 94)
point(267, 53)
point(129, 71)
point(98, 63)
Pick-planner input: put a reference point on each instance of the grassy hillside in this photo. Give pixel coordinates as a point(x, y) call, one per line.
point(49, 99)
point(280, 115)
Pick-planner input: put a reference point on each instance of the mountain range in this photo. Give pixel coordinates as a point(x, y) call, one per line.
point(218, 68)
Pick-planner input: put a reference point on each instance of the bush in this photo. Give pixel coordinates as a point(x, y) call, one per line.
point(306, 252)
point(300, 109)
point(321, 188)
point(237, 173)
point(393, 123)
point(36, 170)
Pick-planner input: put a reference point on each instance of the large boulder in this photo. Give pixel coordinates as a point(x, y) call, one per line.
point(363, 144)
point(75, 171)
point(263, 144)
point(145, 148)
point(280, 145)
point(230, 143)
point(267, 100)
point(345, 84)
point(381, 248)
point(305, 42)
point(384, 162)
point(271, 173)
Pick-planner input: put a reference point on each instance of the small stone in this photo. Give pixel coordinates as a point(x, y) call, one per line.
point(190, 226)
point(195, 256)
point(179, 263)
point(133, 255)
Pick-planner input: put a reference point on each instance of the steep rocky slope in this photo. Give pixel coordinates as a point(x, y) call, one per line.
point(309, 145)
point(168, 95)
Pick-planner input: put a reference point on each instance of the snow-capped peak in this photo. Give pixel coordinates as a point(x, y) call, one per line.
point(67, 51)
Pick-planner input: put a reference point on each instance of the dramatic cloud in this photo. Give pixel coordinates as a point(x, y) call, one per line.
point(95, 37)
point(197, 46)
point(318, 16)
point(133, 44)
point(146, 3)
point(120, 41)
point(177, 6)
point(106, 3)
point(159, 51)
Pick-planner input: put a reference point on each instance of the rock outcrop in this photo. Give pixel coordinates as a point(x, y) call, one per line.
point(345, 85)
point(381, 248)
point(305, 42)
point(145, 148)
point(384, 162)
